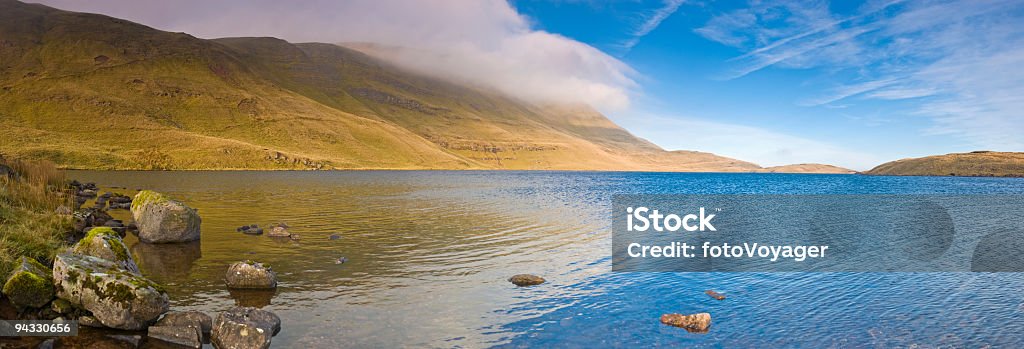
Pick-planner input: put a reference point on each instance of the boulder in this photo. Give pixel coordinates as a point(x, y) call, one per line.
point(249, 274)
point(694, 323)
point(105, 243)
point(244, 327)
point(186, 336)
point(163, 220)
point(30, 284)
point(187, 318)
point(526, 280)
point(116, 297)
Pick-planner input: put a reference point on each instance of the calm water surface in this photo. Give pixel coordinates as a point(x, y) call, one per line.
point(429, 254)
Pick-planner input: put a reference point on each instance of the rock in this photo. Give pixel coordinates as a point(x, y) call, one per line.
point(116, 297)
point(90, 321)
point(279, 230)
point(243, 327)
point(62, 306)
point(341, 260)
point(87, 193)
point(47, 344)
point(249, 274)
point(250, 229)
point(30, 284)
point(163, 220)
point(105, 243)
point(187, 336)
point(187, 318)
point(132, 340)
point(7, 171)
point(526, 280)
point(694, 323)
point(715, 295)
point(334, 237)
point(90, 217)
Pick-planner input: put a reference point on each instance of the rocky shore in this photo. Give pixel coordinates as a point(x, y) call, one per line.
point(97, 282)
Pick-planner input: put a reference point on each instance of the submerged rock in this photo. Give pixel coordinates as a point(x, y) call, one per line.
point(186, 336)
point(250, 229)
point(694, 323)
point(116, 297)
point(30, 284)
point(133, 341)
point(187, 318)
point(105, 243)
point(715, 295)
point(163, 220)
point(279, 230)
point(526, 280)
point(243, 327)
point(249, 274)
point(334, 237)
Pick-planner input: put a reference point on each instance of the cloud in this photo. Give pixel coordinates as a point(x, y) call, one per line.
point(651, 22)
point(485, 42)
point(766, 147)
point(956, 62)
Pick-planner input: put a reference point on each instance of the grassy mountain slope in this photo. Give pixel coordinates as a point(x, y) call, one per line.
point(808, 168)
point(973, 164)
point(91, 91)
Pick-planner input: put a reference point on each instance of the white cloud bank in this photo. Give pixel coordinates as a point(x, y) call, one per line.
point(482, 41)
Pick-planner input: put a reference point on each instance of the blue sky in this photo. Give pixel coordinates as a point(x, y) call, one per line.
point(848, 83)
point(772, 82)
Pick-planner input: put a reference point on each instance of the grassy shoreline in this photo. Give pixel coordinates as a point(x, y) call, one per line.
point(31, 195)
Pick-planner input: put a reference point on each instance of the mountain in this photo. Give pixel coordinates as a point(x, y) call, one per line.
point(973, 164)
point(91, 91)
point(808, 168)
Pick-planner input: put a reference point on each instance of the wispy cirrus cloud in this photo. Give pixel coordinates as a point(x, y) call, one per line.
point(956, 61)
point(651, 21)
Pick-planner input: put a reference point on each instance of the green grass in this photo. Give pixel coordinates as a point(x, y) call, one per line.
point(29, 225)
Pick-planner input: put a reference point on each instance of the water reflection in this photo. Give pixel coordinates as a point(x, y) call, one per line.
point(165, 263)
point(252, 298)
point(428, 255)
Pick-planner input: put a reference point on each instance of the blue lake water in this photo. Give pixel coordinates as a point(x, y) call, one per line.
point(429, 254)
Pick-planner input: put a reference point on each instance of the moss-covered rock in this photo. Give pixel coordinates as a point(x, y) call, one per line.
point(29, 285)
point(163, 220)
point(244, 327)
point(116, 297)
point(104, 242)
point(62, 306)
point(249, 274)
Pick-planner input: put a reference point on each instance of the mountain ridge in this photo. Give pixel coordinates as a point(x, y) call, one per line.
point(980, 163)
point(97, 92)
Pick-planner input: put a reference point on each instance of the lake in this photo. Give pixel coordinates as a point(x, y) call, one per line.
point(429, 254)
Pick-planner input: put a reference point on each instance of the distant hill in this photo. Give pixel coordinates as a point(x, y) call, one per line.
point(91, 91)
point(808, 168)
point(973, 164)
